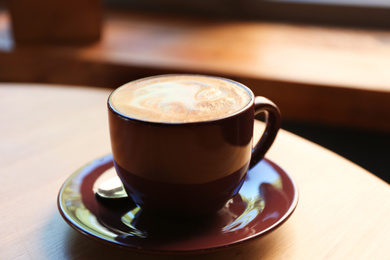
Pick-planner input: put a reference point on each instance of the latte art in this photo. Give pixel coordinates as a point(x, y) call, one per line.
point(179, 98)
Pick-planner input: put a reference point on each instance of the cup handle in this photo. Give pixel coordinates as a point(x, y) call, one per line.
point(273, 122)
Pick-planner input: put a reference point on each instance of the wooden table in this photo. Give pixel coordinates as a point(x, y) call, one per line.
point(49, 131)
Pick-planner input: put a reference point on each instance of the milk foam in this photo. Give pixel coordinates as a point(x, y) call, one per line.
point(179, 98)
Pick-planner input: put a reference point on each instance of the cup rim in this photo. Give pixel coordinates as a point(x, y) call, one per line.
point(241, 110)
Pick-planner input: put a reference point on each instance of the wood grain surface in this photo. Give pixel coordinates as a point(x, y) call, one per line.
point(49, 131)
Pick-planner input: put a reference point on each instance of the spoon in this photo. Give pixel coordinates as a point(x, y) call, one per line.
point(109, 186)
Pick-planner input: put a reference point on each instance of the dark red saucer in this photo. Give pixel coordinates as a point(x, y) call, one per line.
point(267, 198)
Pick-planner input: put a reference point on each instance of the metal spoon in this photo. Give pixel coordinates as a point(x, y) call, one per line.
point(109, 186)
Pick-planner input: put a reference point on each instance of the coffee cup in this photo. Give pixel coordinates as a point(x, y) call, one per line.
point(182, 144)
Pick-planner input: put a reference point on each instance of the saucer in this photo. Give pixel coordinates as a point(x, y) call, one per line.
point(265, 201)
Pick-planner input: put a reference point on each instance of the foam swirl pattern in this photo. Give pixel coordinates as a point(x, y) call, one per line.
point(180, 98)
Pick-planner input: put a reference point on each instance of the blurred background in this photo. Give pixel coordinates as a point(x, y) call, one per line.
point(325, 63)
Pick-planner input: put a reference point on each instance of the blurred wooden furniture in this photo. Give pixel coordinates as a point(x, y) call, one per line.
point(49, 131)
point(60, 22)
point(327, 75)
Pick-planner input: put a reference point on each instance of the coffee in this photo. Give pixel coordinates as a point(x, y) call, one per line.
point(182, 144)
point(180, 99)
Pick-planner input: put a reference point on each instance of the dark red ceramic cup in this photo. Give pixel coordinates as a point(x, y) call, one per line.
point(189, 168)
